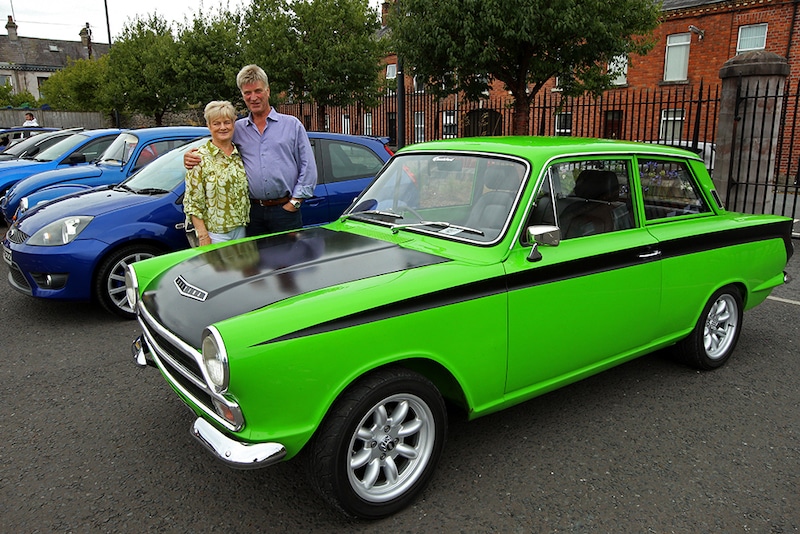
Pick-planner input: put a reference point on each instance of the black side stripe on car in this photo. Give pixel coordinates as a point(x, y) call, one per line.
point(549, 274)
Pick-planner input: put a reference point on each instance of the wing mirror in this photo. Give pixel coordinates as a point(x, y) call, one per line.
point(542, 235)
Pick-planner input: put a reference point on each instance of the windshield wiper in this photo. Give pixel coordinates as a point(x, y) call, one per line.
point(150, 191)
point(124, 187)
point(390, 214)
point(441, 224)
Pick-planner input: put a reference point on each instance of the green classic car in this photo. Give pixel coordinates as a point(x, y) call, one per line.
point(477, 272)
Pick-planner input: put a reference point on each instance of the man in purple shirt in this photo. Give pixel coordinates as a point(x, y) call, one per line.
point(277, 155)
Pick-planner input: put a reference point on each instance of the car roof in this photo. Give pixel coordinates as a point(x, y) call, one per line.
point(544, 147)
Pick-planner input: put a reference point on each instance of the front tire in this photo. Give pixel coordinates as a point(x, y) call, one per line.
point(109, 283)
point(714, 337)
point(379, 445)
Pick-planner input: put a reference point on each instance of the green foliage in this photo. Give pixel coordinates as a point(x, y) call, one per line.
point(463, 45)
point(323, 50)
point(23, 99)
point(81, 86)
point(209, 56)
point(142, 69)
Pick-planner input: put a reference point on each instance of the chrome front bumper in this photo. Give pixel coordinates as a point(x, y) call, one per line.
point(236, 454)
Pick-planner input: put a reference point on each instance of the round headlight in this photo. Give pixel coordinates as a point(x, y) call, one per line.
point(131, 287)
point(215, 360)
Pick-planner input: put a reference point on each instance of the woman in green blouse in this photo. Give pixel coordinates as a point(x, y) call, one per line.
point(217, 196)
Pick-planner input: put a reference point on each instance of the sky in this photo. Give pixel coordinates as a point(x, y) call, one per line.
point(63, 19)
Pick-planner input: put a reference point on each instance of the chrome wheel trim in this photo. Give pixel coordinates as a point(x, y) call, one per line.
point(391, 447)
point(115, 283)
point(720, 328)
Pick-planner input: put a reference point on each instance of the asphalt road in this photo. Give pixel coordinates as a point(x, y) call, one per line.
point(91, 443)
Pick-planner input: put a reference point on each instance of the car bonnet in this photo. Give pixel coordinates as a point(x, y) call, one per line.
point(246, 276)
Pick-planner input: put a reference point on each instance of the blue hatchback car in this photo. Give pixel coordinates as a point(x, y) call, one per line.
point(77, 247)
point(130, 151)
point(79, 148)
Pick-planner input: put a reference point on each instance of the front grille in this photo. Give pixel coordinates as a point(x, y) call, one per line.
point(15, 236)
point(181, 365)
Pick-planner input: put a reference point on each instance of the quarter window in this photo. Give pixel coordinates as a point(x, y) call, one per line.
point(676, 62)
point(669, 190)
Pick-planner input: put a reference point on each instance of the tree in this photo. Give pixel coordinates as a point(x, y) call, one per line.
point(142, 73)
point(23, 99)
point(324, 50)
point(80, 86)
point(209, 56)
point(464, 45)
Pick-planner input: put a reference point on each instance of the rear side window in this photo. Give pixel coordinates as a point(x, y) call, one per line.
point(349, 161)
point(669, 190)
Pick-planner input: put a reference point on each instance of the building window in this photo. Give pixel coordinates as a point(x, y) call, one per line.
point(419, 126)
point(612, 129)
point(619, 65)
point(449, 125)
point(419, 85)
point(5, 79)
point(676, 63)
point(327, 123)
point(367, 123)
point(391, 71)
point(671, 125)
point(752, 37)
point(346, 124)
point(564, 124)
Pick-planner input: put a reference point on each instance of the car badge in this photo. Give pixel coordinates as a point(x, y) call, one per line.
point(188, 290)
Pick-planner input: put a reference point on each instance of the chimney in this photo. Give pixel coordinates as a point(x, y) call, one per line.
point(11, 28)
point(85, 35)
point(384, 12)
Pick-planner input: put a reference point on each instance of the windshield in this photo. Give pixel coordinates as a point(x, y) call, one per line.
point(120, 150)
point(453, 195)
point(164, 174)
point(60, 148)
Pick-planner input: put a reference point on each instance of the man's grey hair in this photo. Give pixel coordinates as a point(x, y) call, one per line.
point(217, 109)
point(251, 74)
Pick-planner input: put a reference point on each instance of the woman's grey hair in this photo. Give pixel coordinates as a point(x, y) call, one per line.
point(219, 109)
point(251, 74)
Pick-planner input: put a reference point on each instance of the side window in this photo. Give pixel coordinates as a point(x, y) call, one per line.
point(349, 161)
point(95, 149)
point(590, 197)
point(669, 189)
point(153, 150)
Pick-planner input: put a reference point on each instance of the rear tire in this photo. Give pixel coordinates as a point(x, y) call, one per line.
point(378, 447)
point(109, 284)
point(714, 337)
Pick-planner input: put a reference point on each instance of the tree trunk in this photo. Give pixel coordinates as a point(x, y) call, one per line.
point(521, 116)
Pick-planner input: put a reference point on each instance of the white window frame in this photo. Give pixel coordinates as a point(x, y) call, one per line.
point(563, 123)
point(368, 123)
point(676, 60)
point(391, 71)
point(449, 124)
point(672, 121)
point(346, 124)
point(419, 126)
point(756, 41)
point(620, 61)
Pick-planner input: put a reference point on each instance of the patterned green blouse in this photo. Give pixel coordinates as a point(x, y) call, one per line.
point(217, 191)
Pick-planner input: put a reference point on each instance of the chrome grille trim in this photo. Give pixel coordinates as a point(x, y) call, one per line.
point(170, 366)
point(15, 236)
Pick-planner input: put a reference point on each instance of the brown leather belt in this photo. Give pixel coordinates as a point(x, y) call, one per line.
point(272, 202)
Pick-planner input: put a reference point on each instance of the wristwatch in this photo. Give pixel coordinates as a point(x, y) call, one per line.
point(295, 203)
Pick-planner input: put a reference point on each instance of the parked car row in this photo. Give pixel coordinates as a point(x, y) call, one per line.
point(11, 136)
point(76, 247)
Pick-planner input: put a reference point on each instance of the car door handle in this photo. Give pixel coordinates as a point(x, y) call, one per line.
point(180, 226)
point(648, 255)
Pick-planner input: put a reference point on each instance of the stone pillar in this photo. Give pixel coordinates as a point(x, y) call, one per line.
point(747, 133)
